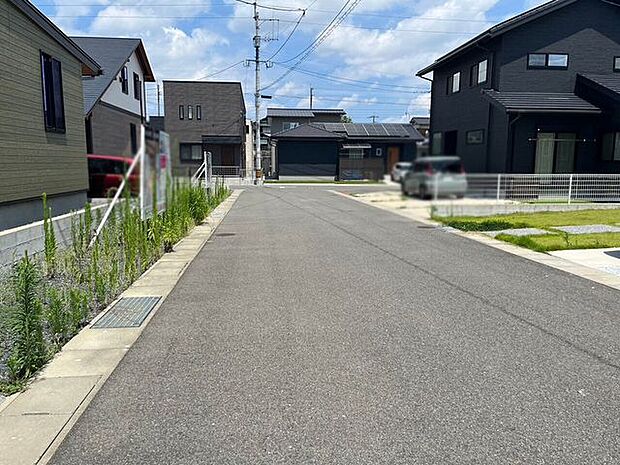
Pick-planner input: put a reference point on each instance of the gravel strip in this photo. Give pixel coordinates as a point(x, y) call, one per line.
point(589, 229)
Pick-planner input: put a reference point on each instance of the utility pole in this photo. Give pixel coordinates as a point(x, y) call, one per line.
point(257, 41)
point(158, 101)
point(373, 118)
point(311, 96)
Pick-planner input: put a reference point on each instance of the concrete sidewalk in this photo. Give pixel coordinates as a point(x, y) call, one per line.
point(34, 422)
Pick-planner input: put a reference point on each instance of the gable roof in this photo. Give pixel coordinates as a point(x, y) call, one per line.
point(302, 112)
point(89, 65)
point(502, 28)
point(112, 53)
point(539, 102)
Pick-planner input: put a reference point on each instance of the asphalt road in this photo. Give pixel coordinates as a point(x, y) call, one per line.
point(316, 330)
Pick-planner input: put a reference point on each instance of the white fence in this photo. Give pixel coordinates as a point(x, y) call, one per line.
point(545, 187)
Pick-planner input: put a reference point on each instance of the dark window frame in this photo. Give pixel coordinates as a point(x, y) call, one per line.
point(198, 112)
point(450, 83)
point(190, 160)
point(547, 65)
point(181, 112)
point(555, 148)
point(125, 80)
point(137, 87)
point(482, 133)
point(52, 94)
point(616, 64)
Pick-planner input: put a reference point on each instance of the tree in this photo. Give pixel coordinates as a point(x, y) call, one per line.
point(346, 119)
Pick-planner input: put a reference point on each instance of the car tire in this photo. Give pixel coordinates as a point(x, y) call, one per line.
point(422, 192)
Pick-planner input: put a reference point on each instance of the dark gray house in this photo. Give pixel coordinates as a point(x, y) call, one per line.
point(281, 119)
point(344, 150)
point(115, 102)
point(538, 93)
point(42, 137)
point(205, 115)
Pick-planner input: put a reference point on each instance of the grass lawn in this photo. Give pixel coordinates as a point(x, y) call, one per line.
point(545, 220)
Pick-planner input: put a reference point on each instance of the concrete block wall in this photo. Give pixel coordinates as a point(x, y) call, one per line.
point(31, 238)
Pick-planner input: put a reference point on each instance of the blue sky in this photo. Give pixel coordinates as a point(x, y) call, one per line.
point(367, 65)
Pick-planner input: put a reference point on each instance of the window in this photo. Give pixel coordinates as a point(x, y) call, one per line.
point(137, 87)
point(191, 153)
point(475, 137)
point(134, 138)
point(289, 125)
point(547, 60)
point(436, 144)
point(190, 112)
point(482, 71)
point(611, 146)
point(198, 112)
point(555, 152)
point(53, 100)
point(181, 112)
point(617, 64)
point(125, 80)
point(456, 82)
point(536, 60)
point(356, 154)
point(557, 60)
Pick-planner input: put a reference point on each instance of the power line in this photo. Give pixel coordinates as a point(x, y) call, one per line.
point(289, 36)
point(346, 9)
point(267, 7)
point(222, 70)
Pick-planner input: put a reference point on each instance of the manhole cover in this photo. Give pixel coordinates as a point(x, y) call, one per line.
point(129, 312)
point(224, 234)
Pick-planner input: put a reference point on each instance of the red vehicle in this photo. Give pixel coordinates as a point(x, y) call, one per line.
point(106, 172)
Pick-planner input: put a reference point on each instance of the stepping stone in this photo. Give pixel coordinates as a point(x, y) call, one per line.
point(589, 229)
point(519, 232)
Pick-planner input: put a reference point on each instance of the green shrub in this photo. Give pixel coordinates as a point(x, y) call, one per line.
point(483, 225)
point(29, 350)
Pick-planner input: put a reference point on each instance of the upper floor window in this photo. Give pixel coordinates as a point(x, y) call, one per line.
point(454, 83)
point(181, 112)
point(198, 112)
point(289, 125)
point(125, 80)
point(547, 60)
point(137, 87)
point(53, 100)
point(190, 112)
point(479, 73)
point(617, 64)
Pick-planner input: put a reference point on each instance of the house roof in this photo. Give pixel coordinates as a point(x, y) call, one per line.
point(89, 65)
point(351, 131)
point(306, 131)
point(112, 53)
point(502, 28)
point(302, 112)
point(374, 131)
point(609, 83)
point(539, 102)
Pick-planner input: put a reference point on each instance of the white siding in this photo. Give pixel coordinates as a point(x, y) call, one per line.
point(115, 96)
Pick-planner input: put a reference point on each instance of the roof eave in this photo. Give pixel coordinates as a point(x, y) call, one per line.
point(89, 66)
point(149, 75)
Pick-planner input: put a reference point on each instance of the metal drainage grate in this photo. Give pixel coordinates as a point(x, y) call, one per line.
point(225, 234)
point(129, 312)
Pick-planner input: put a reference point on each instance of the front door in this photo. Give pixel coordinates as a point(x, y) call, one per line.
point(228, 155)
point(393, 157)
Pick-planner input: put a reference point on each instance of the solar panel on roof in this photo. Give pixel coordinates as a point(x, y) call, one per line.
point(356, 130)
point(372, 129)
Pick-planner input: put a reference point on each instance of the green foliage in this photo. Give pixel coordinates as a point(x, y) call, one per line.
point(50, 246)
point(37, 317)
point(29, 351)
point(483, 225)
point(550, 242)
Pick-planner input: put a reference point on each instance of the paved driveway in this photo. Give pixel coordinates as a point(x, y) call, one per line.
point(316, 330)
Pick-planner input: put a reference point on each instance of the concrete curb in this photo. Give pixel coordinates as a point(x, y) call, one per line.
point(552, 261)
point(34, 423)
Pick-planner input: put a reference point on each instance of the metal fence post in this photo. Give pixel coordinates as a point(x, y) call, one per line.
point(143, 171)
point(570, 188)
point(499, 186)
